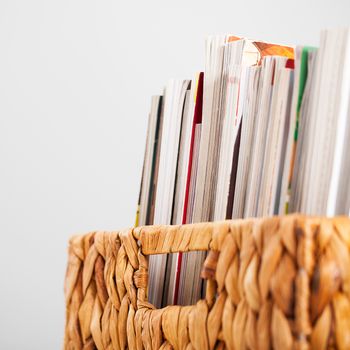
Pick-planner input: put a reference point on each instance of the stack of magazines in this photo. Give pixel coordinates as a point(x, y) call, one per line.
point(264, 130)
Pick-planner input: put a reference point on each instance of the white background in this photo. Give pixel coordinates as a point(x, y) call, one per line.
point(76, 78)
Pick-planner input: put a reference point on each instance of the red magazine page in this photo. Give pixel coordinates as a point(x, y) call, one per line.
point(197, 119)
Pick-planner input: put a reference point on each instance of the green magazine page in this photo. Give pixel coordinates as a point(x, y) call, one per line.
point(303, 75)
point(304, 69)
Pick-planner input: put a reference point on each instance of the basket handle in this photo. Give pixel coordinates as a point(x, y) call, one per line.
point(165, 239)
point(209, 236)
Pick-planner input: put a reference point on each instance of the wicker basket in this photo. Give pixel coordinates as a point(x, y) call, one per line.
point(272, 283)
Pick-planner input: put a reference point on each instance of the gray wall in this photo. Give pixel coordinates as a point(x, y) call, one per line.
point(75, 84)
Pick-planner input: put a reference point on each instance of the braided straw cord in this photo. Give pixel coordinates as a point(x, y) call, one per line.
point(272, 283)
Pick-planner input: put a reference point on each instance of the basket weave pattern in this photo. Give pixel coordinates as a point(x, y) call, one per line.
point(272, 283)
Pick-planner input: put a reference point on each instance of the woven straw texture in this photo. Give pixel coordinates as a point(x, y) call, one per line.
point(272, 283)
